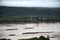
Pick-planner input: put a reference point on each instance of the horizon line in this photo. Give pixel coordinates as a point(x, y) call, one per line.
point(30, 6)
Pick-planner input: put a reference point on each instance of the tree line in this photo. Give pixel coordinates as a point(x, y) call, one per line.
point(29, 19)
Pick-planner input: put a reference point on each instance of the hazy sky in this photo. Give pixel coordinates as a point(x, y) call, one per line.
point(30, 3)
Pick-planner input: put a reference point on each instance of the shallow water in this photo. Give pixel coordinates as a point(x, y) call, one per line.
point(53, 30)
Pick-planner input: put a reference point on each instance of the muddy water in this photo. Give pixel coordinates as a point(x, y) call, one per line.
point(51, 29)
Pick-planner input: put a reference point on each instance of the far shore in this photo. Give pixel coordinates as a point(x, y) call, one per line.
point(27, 22)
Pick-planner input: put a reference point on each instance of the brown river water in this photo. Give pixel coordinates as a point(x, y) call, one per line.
point(29, 30)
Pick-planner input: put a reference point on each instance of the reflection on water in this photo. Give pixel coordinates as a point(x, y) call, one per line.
point(29, 30)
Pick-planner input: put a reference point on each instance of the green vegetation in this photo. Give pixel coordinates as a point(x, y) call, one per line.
point(29, 14)
point(5, 39)
point(30, 19)
point(35, 38)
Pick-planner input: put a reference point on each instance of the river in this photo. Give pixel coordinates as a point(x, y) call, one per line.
point(29, 30)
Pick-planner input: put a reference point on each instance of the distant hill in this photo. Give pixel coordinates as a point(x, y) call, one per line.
point(32, 11)
point(29, 14)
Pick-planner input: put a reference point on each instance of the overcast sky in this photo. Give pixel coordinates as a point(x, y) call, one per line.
point(30, 3)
